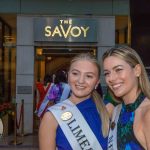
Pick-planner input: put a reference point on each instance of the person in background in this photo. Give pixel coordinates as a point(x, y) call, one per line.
point(60, 90)
point(42, 90)
point(81, 121)
point(126, 77)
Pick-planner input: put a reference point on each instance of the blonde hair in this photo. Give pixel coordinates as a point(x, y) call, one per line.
point(130, 56)
point(104, 116)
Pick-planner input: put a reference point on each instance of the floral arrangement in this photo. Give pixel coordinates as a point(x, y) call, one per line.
point(5, 108)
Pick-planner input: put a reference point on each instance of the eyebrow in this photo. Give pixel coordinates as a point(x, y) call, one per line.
point(114, 67)
point(84, 72)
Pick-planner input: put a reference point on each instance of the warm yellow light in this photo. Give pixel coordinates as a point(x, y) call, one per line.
point(39, 51)
point(94, 52)
point(49, 58)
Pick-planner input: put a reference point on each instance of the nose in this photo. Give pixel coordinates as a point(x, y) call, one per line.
point(81, 79)
point(112, 77)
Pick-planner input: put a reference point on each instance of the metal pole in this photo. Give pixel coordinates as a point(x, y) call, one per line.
point(15, 142)
point(22, 126)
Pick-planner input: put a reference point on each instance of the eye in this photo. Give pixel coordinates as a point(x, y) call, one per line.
point(74, 73)
point(106, 74)
point(118, 69)
point(89, 76)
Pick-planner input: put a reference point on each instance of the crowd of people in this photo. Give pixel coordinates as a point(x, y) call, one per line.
point(88, 119)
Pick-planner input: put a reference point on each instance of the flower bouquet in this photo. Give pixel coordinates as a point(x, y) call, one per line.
point(5, 108)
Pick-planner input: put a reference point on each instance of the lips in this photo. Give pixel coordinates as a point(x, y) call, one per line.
point(116, 86)
point(80, 87)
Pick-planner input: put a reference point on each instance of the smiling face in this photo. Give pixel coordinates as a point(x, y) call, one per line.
point(83, 76)
point(121, 77)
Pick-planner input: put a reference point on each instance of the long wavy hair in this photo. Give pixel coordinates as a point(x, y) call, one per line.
point(104, 116)
point(130, 56)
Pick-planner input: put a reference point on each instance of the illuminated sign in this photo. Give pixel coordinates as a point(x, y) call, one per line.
point(70, 29)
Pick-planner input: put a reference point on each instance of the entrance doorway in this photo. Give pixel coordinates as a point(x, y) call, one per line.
point(48, 60)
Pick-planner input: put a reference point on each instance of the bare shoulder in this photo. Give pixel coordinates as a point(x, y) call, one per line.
point(146, 111)
point(47, 132)
point(146, 122)
point(48, 120)
point(145, 108)
point(143, 112)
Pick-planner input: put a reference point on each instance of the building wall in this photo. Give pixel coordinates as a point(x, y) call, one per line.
point(66, 7)
point(25, 68)
point(140, 29)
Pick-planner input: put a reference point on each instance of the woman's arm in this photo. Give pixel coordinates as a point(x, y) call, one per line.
point(110, 108)
point(47, 132)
